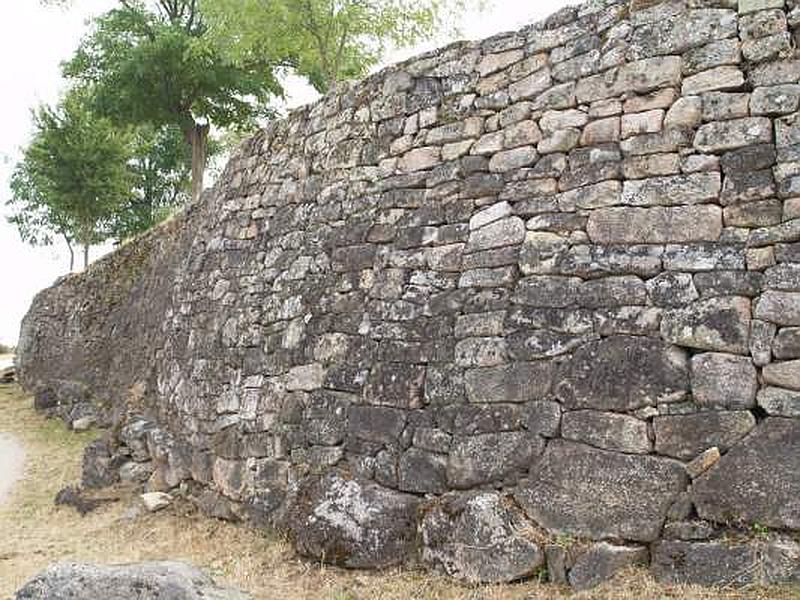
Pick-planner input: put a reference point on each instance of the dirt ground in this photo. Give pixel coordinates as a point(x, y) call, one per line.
point(34, 533)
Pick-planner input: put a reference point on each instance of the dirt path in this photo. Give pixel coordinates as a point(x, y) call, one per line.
point(12, 462)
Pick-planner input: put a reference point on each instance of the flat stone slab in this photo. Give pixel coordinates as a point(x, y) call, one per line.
point(582, 491)
point(144, 581)
point(720, 563)
point(757, 481)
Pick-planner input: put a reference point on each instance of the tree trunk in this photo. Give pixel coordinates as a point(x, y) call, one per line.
point(71, 253)
point(85, 256)
point(197, 136)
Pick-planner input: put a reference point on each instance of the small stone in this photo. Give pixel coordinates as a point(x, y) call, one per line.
point(685, 113)
point(672, 289)
point(84, 423)
point(786, 344)
point(491, 457)
point(761, 336)
point(601, 132)
point(703, 462)
point(155, 501)
point(420, 159)
point(530, 86)
point(305, 377)
point(510, 160)
point(563, 140)
point(518, 382)
point(503, 232)
point(722, 106)
point(674, 190)
point(489, 215)
point(640, 123)
point(556, 120)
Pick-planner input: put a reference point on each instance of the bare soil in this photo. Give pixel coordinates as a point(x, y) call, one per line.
point(34, 533)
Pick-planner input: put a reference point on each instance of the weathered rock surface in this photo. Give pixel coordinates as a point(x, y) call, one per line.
point(569, 492)
point(350, 523)
point(560, 263)
point(145, 581)
point(623, 373)
point(602, 561)
point(721, 563)
point(480, 537)
point(686, 436)
point(767, 459)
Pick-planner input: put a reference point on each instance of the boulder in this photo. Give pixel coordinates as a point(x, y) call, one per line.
point(757, 481)
point(721, 563)
point(100, 466)
point(480, 537)
point(351, 523)
point(143, 581)
point(582, 491)
point(623, 373)
point(602, 561)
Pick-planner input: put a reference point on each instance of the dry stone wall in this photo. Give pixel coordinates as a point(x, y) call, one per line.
point(526, 303)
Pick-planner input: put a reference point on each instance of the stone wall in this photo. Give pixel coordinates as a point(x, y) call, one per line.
point(522, 303)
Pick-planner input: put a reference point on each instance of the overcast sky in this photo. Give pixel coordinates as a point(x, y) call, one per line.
point(33, 42)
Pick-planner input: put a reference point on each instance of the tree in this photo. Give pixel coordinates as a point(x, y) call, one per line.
point(327, 40)
point(156, 67)
point(161, 166)
point(37, 221)
point(74, 176)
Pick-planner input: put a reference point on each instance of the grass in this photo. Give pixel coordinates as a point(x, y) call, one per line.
point(35, 533)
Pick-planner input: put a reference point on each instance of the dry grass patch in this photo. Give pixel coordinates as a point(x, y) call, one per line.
point(34, 533)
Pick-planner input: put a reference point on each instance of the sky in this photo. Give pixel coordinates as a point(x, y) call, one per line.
point(34, 40)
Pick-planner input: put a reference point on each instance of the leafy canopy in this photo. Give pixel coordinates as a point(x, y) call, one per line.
point(156, 67)
point(74, 175)
point(326, 40)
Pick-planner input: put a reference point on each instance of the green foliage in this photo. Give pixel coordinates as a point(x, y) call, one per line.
point(73, 177)
point(158, 67)
point(161, 166)
point(155, 67)
point(326, 40)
